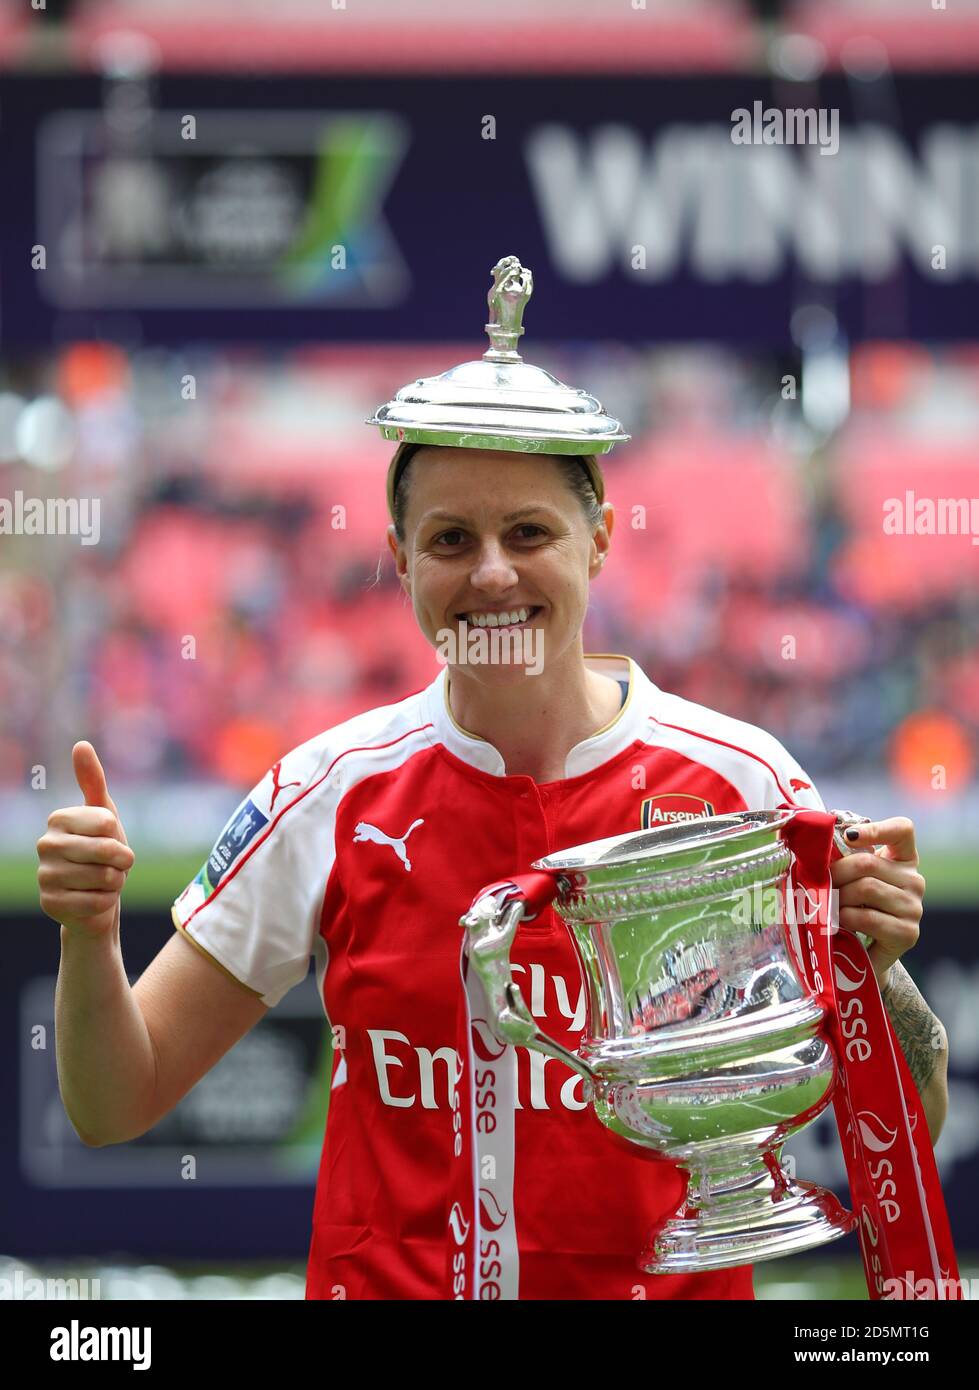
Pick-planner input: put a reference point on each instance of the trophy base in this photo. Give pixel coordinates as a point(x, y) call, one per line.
point(740, 1229)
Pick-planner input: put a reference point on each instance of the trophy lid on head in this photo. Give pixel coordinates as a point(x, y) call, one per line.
point(500, 401)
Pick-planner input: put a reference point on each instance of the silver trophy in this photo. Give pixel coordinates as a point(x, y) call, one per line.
point(701, 1041)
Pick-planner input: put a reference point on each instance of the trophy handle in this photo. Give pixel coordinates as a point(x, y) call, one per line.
point(843, 820)
point(491, 924)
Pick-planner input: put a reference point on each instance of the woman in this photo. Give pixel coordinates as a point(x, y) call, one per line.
point(362, 848)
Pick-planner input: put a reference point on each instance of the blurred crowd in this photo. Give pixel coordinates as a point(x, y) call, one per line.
point(241, 596)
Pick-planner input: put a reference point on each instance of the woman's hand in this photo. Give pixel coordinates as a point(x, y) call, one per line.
point(881, 892)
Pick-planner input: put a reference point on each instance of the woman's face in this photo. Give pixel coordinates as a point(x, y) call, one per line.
point(488, 531)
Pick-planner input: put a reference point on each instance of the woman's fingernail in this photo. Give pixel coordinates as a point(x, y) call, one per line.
point(852, 834)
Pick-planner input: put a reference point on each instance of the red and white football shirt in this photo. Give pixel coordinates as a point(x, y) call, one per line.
point(362, 848)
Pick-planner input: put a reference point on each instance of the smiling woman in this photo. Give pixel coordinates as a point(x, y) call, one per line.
point(364, 846)
point(495, 624)
point(501, 539)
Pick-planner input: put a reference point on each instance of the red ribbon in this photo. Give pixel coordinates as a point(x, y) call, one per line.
point(905, 1240)
point(482, 1255)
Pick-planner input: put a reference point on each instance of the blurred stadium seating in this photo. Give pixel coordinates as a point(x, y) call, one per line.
point(252, 520)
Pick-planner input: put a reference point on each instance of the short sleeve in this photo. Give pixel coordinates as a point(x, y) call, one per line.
point(255, 906)
point(793, 785)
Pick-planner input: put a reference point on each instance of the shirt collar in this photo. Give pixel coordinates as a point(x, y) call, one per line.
point(629, 724)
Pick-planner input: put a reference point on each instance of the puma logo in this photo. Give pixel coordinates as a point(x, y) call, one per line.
point(278, 786)
point(371, 832)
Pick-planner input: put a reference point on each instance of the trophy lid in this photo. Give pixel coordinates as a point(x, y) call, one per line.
point(500, 401)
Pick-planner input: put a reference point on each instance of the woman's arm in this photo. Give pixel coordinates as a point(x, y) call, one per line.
point(127, 1054)
point(924, 1043)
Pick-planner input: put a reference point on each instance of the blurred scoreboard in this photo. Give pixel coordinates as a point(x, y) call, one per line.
point(346, 208)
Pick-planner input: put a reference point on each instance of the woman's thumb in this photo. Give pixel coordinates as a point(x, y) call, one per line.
point(90, 776)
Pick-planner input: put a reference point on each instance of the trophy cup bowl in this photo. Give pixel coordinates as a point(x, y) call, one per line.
point(701, 1042)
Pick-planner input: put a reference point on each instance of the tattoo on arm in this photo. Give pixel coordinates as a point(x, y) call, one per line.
point(919, 1031)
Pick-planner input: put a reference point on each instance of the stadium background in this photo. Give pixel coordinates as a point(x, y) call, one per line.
point(226, 237)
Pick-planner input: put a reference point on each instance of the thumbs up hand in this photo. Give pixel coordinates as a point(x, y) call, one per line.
point(84, 856)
